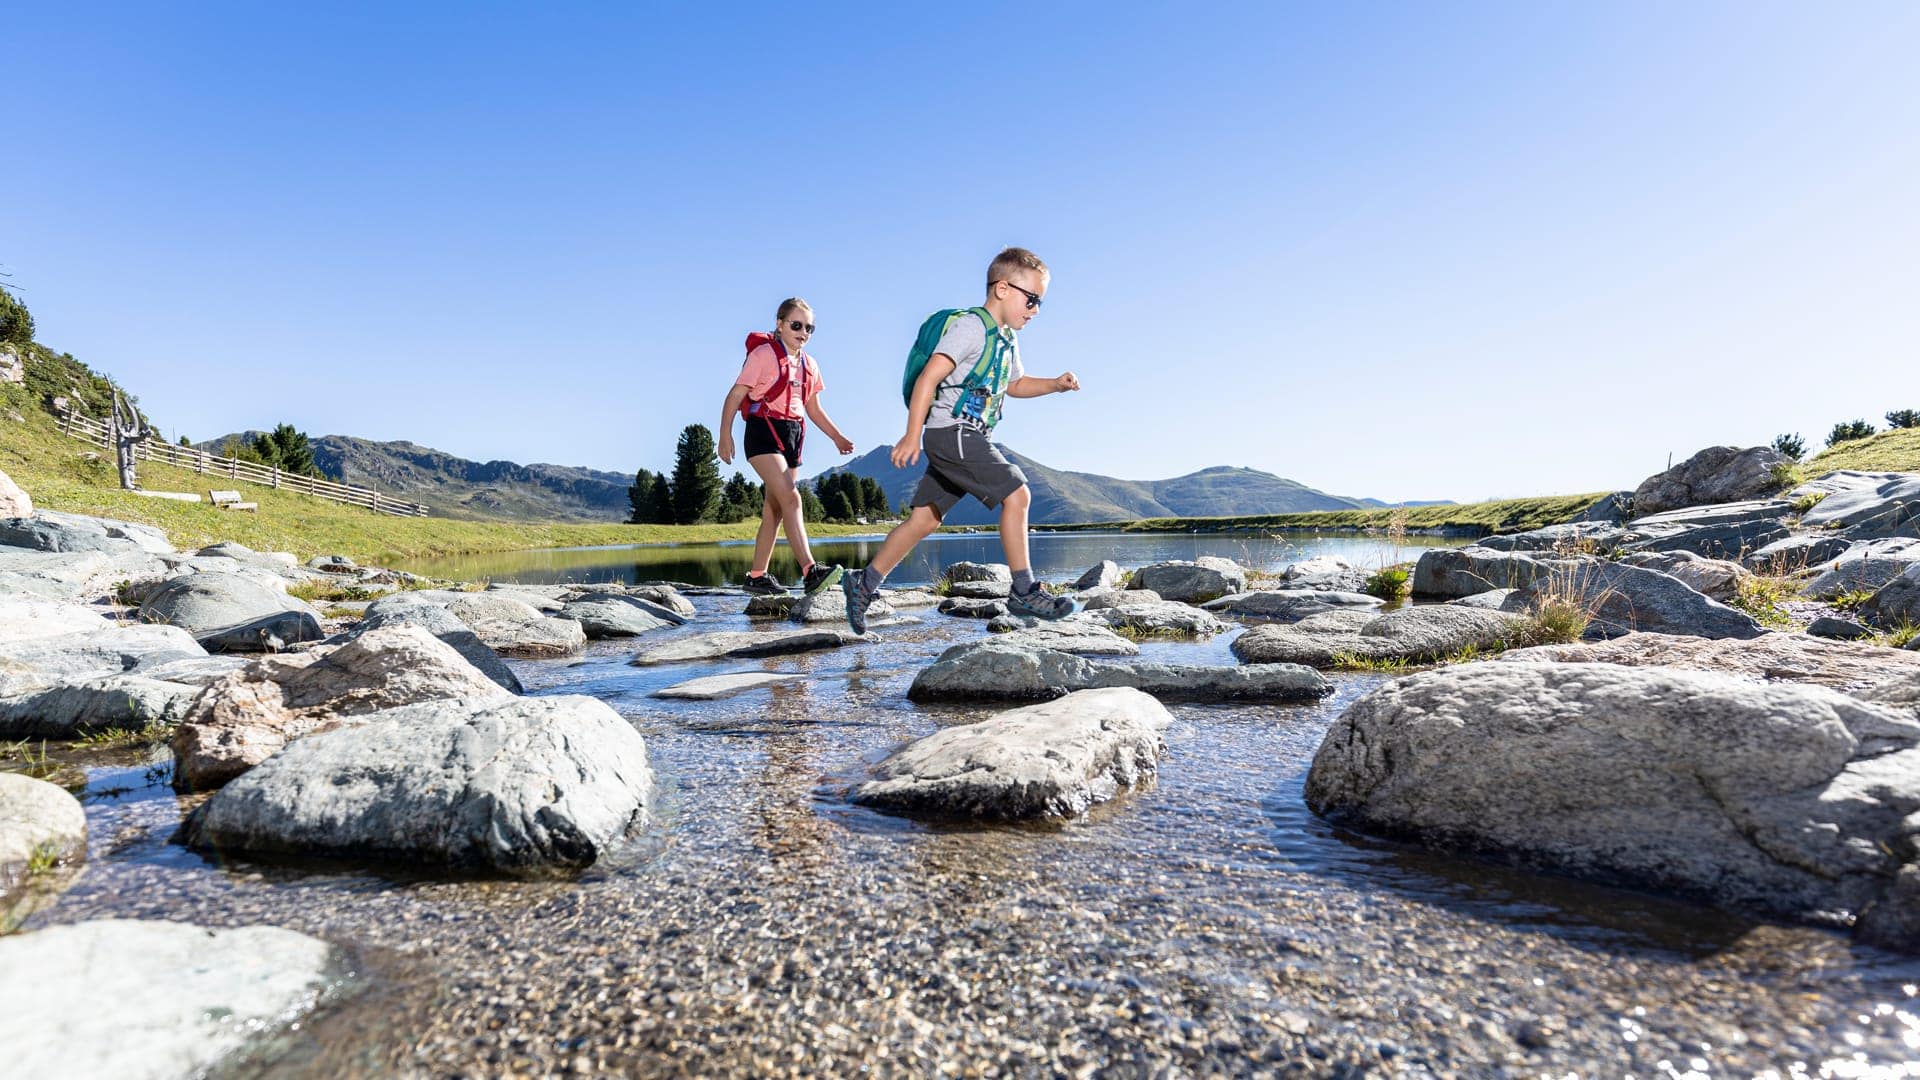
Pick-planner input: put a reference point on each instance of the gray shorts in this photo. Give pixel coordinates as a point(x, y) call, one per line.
point(963, 461)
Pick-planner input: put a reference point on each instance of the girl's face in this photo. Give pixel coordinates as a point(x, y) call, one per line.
point(794, 339)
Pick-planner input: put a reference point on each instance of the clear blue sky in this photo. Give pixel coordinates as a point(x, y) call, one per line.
point(1405, 251)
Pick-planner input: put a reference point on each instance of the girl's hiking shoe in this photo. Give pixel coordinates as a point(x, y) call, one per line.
point(1040, 603)
point(819, 576)
point(764, 585)
point(853, 587)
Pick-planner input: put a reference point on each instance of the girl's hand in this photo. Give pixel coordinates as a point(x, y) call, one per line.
point(844, 444)
point(726, 448)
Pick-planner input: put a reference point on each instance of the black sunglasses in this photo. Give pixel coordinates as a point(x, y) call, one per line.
point(796, 326)
point(1033, 299)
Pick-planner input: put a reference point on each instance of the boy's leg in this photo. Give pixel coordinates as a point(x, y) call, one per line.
point(1013, 530)
point(861, 586)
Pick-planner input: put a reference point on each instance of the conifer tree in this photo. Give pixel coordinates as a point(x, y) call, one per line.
point(696, 476)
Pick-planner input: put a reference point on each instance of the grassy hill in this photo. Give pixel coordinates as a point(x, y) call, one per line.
point(1889, 451)
point(1503, 515)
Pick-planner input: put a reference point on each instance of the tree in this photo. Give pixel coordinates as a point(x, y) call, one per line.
point(1791, 446)
point(287, 449)
point(184, 441)
point(811, 508)
point(838, 508)
point(1852, 429)
point(660, 502)
point(696, 476)
point(1903, 418)
point(16, 322)
point(876, 500)
point(739, 500)
point(641, 497)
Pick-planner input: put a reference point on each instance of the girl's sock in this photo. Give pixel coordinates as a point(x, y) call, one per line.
point(1023, 582)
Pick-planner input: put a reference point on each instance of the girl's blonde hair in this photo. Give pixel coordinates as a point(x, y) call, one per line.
point(787, 306)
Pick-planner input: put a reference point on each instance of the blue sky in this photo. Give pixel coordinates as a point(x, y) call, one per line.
point(1404, 251)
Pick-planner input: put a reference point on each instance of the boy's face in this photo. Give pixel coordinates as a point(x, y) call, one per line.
point(1017, 298)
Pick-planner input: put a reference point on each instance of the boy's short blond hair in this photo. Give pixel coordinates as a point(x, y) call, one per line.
point(1012, 259)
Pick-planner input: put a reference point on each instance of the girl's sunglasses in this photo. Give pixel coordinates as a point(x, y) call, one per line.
point(796, 326)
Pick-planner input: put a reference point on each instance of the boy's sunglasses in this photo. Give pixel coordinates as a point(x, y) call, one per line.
point(1033, 299)
point(796, 326)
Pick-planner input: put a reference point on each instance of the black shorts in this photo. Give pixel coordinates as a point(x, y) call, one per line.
point(962, 461)
point(766, 435)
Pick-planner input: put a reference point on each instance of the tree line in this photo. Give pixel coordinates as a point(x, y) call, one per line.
point(1793, 446)
point(694, 493)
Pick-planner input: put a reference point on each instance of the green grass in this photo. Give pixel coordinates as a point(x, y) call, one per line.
point(1504, 515)
point(1851, 601)
point(1898, 637)
point(1760, 595)
point(114, 738)
point(1389, 583)
point(1346, 661)
point(317, 592)
point(1889, 451)
point(43, 858)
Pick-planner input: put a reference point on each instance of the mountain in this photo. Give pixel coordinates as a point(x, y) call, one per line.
point(1061, 497)
point(458, 488)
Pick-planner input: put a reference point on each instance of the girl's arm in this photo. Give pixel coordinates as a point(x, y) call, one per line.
point(728, 409)
point(820, 417)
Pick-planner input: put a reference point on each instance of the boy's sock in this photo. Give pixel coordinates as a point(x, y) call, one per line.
point(1023, 581)
point(871, 580)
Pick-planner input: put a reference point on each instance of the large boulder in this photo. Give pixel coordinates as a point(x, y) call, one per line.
point(1196, 582)
point(245, 718)
point(1050, 760)
point(22, 618)
point(1796, 553)
point(1718, 474)
point(49, 575)
point(1787, 799)
point(14, 502)
point(184, 998)
point(48, 531)
point(39, 824)
point(973, 571)
point(748, 643)
point(1897, 603)
point(1416, 635)
point(1114, 596)
point(71, 708)
point(410, 609)
point(1865, 566)
point(1325, 572)
point(1795, 658)
point(1717, 579)
point(609, 616)
point(1288, 605)
point(512, 627)
point(980, 590)
point(1572, 538)
point(1852, 499)
point(1076, 634)
point(1100, 575)
point(1723, 540)
point(117, 650)
point(523, 787)
point(996, 670)
point(1621, 599)
point(1162, 618)
point(1449, 573)
point(232, 613)
point(830, 606)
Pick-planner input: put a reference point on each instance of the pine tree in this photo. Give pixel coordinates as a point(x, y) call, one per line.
point(640, 496)
point(696, 476)
point(811, 508)
point(1903, 418)
point(876, 500)
point(287, 449)
point(838, 508)
point(16, 322)
point(660, 502)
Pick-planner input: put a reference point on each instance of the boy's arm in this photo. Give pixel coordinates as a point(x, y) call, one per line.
point(1029, 386)
point(727, 410)
point(819, 414)
point(907, 450)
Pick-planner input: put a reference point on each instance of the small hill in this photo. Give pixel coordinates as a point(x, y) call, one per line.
point(1889, 451)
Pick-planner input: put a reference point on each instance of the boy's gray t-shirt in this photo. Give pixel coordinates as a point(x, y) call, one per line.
point(964, 341)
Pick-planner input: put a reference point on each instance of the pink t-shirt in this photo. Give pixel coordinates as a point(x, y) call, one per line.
point(762, 369)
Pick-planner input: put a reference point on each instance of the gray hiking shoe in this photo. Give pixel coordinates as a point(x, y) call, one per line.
point(853, 587)
point(1040, 603)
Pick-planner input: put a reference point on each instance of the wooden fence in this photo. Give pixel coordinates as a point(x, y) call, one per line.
point(186, 457)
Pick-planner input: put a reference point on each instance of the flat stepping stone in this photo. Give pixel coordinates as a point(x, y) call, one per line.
point(748, 643)
point(1288, 605)
point(1414, 635)
point(1070, 635)
point(715, 687)
point(995, 670)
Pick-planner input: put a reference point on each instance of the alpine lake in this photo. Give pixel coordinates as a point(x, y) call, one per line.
point(1207, 924)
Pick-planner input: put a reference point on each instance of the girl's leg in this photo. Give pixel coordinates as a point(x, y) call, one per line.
point(782, 507)
point(763, 540)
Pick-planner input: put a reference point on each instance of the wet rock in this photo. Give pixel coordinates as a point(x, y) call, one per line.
point(1111, 596)
point(522, 787)
point(71, 708)
point(1787, 799)
point(512, 627)
point(185, 998)
point(1716, 579)
point(1622, 599)
point(37, 820)
point(771, 605)
point(14, 502)
point(1488, 601)
point(1897, 602)
point(1288, 605)
point(997, 670)
point(230, 613)
point(411, 609)
point(715, 687)
point(666, 596)
point(605, 617)
point(73, 657)
point(980, 590)
point(750, 643)
point(1864, 567)
point(829, 605)
point(909, 598)
point(1827, 626)
point(1050, 760)
point(1161, 619)
point(23, 618)
point(1195, 582)
point(1414, 635)
point(1796, 553)
point(1076, 634)
point(1101, 575)
point(964, 608)
point(1718, 474)
point(1795, 658)
point(1447, 573)
point(973, 571)
point(248, 716)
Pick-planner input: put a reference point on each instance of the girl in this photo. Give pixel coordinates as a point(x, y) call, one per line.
point(778, 386)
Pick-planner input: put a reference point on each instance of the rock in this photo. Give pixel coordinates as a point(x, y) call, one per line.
point(1854, 498)
point(21, 619)
point(49, 575)
point(131, 535)
point(71, 708)
point(963, 608)
point(1162, 618)
point(1786, 799)
point(1415, 635)
point(1203, 579)
point(909, 598)
point(1318, 566)
point(972, 571)
point(241, 720)
point(997, 670)
point(1487, 601)
point(1572, 538)
point(725, 643)
point(512, 627)
point(1621, 599)
point(37, 819)
point(605, 617)
point(1715, 578)
point(38, 534)
point(1446, 573)
point(715, 687)
point(1827, 626)
point(1325, 572)
point(1050, 760)
point(545, 599)
point(1795, 658)
point(185, 998)
point(829, 605)
point(980, 590)
point(39, 662)
point(1074, 634)
point(194, 671)
point(666, 596)
point(1896, 603)
point(1732, 540)
point(522, 786)
point(1095, 599)
point(1729, 513)
point(771, 605)
point(14, 503)
point(1609, 510)
point(230, 613)
point(1796, 553)
point(1287, 605)
point(1900, 520)
point(1718, 474)
point(1865, 566)
point(333, 564)
point(1101, 575)
point(410, 609)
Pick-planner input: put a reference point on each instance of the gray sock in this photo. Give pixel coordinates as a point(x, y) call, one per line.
point(871, 580)
point(1023, 582)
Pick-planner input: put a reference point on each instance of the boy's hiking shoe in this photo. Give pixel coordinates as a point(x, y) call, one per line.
point(764, 585)
point(853, 587)
point(1040, 603)
point(819, 576)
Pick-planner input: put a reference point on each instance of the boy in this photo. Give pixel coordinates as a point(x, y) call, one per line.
point(955, 423)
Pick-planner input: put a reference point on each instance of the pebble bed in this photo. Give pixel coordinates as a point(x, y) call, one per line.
point(1207, 925)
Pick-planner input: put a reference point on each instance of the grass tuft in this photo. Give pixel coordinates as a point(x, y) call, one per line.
point(1759, 595)
point(1346, 661)
point(1389, 583)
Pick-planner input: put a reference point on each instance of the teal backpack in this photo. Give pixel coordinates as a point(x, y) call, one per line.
point(989, 375)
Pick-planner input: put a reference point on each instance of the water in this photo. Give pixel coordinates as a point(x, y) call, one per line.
point(1055, 556)
point(1207, 923)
